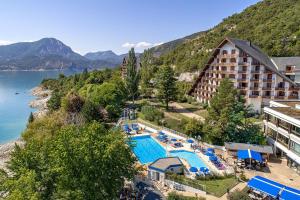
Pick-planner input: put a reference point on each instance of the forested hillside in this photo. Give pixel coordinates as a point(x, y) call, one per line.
point(273, 25)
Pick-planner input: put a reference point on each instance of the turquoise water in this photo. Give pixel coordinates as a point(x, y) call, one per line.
point(14, 109)
point(190, 157)
point(147, 149)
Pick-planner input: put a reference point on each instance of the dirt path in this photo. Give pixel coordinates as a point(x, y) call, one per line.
point(179, 109)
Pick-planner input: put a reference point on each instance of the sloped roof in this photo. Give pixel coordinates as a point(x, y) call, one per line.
point(252, 50)
point(162, 164)
point(254, 147)
point(282, 62)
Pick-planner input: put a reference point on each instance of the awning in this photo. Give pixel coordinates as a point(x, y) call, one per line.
point(244, 154)
point(273, 188)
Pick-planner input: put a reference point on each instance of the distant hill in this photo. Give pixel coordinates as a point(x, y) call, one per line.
point(273, 25)
point(168, 46)
point(104, 55)
point(45, 54)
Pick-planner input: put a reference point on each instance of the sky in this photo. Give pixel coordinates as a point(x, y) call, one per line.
point(118, 25)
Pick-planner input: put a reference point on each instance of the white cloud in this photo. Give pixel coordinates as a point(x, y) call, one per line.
point(128, 45)
point(5, 42)
point(140, 46)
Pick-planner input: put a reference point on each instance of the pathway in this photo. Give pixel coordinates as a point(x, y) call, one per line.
point(180, 109)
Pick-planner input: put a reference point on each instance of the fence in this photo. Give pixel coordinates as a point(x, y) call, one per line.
point(182, 187)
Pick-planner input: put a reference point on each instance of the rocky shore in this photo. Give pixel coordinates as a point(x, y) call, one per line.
point(40, 103)
point(6, 149)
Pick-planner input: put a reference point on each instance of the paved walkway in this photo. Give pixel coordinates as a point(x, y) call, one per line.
point(180, 109)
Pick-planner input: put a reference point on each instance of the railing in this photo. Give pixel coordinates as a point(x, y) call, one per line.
point(254, 88)
point(255, 71)
point(242, 79)
point(267, 79)
point(279, 88)
point(242, 71)
point(253, 96)
point(254, 79)
point(267, 88)
point(279, 97)
point(293, 97)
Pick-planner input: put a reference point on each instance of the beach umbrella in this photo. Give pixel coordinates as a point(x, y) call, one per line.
point(161, 133)
point(173, 139)
point(211, 150)
point(213, 158)
point(208, 153)
point(190, 141)
point(204, 169)
point(193, 169)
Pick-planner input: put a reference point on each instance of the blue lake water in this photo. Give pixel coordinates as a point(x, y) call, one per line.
point(14, 109)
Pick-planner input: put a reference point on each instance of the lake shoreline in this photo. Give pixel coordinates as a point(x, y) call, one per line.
point(40, 103)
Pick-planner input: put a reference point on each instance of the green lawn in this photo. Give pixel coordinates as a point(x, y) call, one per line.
point(217, 187)
point(197, 109)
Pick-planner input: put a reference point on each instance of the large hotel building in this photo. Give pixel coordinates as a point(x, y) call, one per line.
point(256, 76)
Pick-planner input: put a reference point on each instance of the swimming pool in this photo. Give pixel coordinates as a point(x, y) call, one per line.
point(190, 157)
point(147, 149)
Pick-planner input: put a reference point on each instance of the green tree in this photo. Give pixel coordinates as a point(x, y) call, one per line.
point(77, 163)
point(148, 69)
point(30, 118)
point(166, 85)
point(227, 118)
point(54, 102)
point(133, 77)
point(193, 128)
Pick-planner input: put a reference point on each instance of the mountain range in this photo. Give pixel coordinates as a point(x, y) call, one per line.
point(52, 54)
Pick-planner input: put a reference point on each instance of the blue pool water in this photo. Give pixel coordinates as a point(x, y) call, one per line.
point(190, 157)
point(147, 149)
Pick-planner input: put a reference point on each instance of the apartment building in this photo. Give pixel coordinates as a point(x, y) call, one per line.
point(282, 128)
point(256, 76)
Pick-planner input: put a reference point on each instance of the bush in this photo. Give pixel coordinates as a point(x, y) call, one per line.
point(238, 195)
point(193, 128)
point(175, 196)
point(152, 114)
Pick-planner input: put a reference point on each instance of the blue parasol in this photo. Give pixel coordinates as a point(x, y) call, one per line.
point(193, 169)
point(208, 153)
point(190, 141)
point(173, 139)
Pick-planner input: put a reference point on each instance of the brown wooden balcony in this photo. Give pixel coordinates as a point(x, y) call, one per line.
point(266, 96)
point(267, 71)
point(279, 97)
point(293, 97)
point(279, 88)
point(267, 88)
point(242, 71)
point(293, 88)
point(253, 95)
point(254, 88)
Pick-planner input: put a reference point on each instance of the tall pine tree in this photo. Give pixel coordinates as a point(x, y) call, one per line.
point(133, 77)
point(166, 85)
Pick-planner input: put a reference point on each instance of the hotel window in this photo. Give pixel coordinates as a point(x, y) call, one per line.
point(283, 124)
point(224, 52)
point(232, 68)
point(271, 133)
point(288, 68)
point(244, 59)
point(296, 130)
point(295, 147)
point(283, 140)
point(233, 51)
point(233, 60)
point(223, 60)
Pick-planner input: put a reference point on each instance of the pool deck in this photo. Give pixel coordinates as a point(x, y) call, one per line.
point(186, 146)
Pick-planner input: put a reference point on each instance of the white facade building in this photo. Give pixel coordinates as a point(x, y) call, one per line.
point(282, 128)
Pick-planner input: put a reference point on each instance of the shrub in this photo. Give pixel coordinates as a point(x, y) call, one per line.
point(175, 196)
point(238, 195)
point(152, 114)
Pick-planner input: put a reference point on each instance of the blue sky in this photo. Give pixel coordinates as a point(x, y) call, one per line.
point(94, 25)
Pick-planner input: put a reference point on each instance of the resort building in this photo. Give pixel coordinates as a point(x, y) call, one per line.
point(282, 128)
point(158, 169)
point(124, 67)
point(257, 77)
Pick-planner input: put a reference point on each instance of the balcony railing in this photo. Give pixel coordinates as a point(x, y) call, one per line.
point(254, 79)
point(242, 79)
point(243, 63)
point(267, 88)
point(279, 97)
point(242, 87)
point(267, 79)
point(279, 88)
point(293, 88)
point(293, 97)
point(267, 71)
point(255, 71)
point(253, 95)
point(242, 71)
point(266, 96)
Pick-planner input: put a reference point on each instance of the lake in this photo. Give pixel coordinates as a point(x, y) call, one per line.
point(14, 109)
